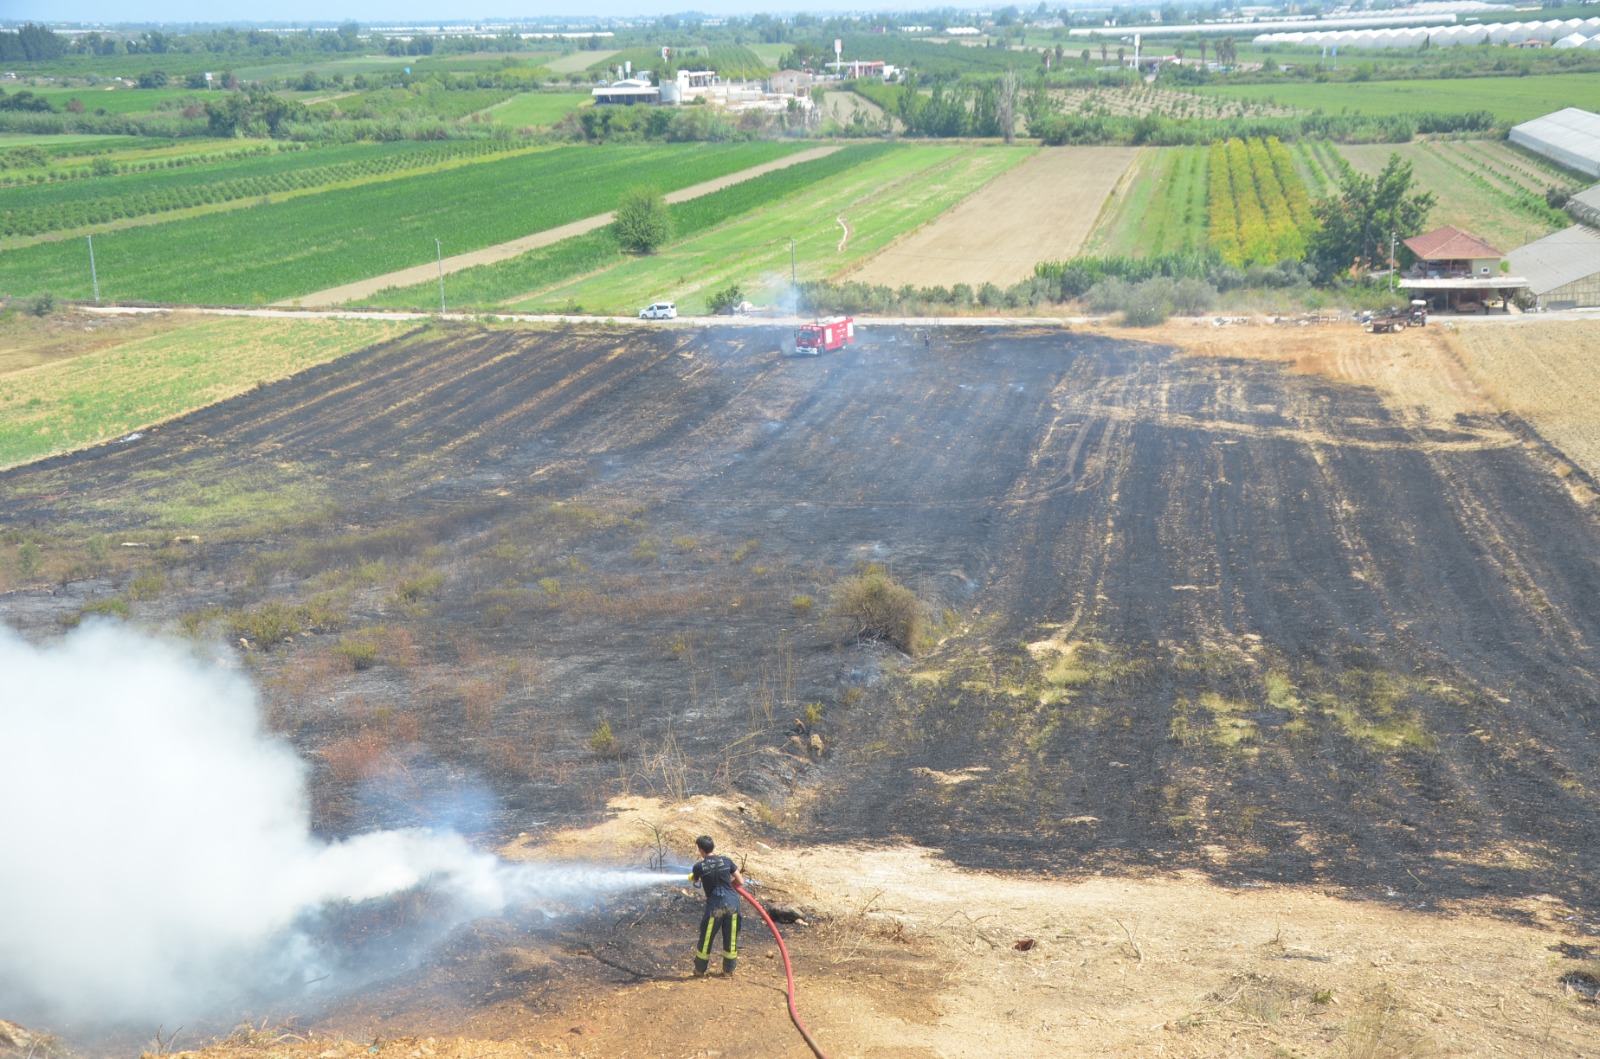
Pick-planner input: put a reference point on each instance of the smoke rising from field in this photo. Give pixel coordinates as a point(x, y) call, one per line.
point(158, 858)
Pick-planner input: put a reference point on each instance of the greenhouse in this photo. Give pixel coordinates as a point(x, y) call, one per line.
point(1569, 137)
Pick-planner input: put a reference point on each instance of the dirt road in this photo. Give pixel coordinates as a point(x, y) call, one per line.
point(504, 251)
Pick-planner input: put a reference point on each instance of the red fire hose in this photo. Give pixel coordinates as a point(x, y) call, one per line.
point(788, 972)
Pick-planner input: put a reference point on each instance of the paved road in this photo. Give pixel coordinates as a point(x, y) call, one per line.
point(407, 277)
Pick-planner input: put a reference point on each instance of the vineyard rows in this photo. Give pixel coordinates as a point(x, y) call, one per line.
point(272, 252)
point(20, 175)
point(70, 207)
point(1161, 210)
point(1162, 102)
point(1258, 210)
point(1527, 200)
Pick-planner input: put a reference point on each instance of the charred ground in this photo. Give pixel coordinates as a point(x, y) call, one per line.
point(1190, 611)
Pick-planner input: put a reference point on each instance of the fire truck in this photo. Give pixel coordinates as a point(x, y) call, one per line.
point(827, 335)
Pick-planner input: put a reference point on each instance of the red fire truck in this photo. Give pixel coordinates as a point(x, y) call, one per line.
point(835, 332)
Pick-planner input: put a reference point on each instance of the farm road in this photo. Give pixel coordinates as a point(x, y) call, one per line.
point(1279, 630)
point(504, 251)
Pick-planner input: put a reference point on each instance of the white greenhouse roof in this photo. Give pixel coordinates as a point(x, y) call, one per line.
point(1556, 260)
point(1569, 137)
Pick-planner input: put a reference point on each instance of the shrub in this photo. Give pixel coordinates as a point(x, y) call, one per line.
point(1191, 297)
point(268, 624)
point(114, 607)
point(1149, 303)
point(874, 606)
point(1108, 295)
point(360, 651)
point(728, 299)
point(602, 741)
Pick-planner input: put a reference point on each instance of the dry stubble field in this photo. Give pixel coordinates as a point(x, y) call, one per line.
point(1041, 210)
point(1545, 372)
point(1260, 701)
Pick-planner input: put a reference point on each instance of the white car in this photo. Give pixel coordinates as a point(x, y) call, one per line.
point(659, 311)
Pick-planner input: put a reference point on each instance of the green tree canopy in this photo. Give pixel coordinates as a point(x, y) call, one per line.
point(643, 222)
point(1356, 225)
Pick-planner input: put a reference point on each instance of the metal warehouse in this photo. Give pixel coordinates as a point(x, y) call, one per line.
point(1562, 270)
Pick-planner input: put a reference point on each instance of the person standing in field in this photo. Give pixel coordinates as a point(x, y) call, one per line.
point(719, 876)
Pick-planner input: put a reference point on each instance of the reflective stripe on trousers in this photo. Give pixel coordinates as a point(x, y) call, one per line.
point(729, 921)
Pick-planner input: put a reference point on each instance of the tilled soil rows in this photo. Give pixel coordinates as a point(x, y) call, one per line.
point(1187, 611)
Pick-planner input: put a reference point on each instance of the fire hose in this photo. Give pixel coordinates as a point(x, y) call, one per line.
point(788, 971)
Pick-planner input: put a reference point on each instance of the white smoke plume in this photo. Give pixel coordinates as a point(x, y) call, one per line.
point(156, 854)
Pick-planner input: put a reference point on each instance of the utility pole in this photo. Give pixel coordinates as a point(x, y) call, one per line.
point(93, 277)
point(1392, 265)
point(792, 283)
point(438, 248)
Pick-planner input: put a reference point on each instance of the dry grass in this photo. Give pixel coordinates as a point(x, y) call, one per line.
point(1546, 373)
point(358, 756)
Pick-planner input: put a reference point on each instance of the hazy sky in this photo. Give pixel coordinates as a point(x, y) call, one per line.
point(366, 11)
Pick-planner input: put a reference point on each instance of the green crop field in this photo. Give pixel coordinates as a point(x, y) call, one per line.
point(276, 251)
point(67, 143)
point(770, 54)
point(1485, 206)
point(579, 61)
point(1510, 99)
point(537, 110)
point(881, 199)
point(349, 65)
point(489, 285)
point(1163, 210)
point(1319, 165)
point(64, 205)
point(423, 99)
point(163, 373)
point(122, 100)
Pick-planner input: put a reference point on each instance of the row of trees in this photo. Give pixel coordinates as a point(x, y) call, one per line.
point(31, 43)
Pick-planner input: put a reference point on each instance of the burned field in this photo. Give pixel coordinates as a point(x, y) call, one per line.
point(1181, 611)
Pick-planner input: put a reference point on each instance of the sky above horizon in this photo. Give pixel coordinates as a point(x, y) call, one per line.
point(370, 12)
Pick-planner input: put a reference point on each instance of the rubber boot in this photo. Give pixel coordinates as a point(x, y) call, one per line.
point(700, 967)
point(728, 967)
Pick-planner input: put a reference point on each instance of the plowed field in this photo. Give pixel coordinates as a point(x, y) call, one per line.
point(1245, 617)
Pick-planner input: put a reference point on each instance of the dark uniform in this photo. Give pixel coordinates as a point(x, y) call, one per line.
point(715, 873)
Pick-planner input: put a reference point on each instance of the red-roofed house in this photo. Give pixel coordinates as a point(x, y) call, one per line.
point(1457, 271)
point(1450, 251)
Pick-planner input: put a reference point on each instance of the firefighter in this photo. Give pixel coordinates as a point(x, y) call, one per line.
point(719, 875)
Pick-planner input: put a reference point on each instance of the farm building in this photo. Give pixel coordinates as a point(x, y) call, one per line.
point(1563, 269)
point(1569, 137)
point(1585, 206)
point(627, 92)
point(1456, 271)
point(790, 83)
